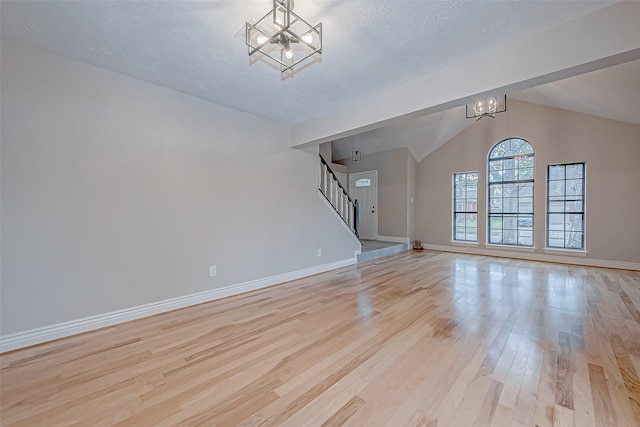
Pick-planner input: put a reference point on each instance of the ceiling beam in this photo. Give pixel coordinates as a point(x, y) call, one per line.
point(598, 40)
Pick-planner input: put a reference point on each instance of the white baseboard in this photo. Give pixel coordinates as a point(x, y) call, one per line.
point(18, 340)
point(623, 265)
point(393, 239)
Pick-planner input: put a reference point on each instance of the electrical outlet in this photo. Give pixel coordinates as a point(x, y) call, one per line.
point(212, 270)
point(319, 252)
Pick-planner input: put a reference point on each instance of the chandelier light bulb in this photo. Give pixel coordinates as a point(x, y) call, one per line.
point(278, 32)
point(487, 107)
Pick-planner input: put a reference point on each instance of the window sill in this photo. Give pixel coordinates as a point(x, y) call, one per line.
point(573, 252)
point(510, 247)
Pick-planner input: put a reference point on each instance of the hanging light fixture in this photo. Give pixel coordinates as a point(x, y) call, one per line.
point(487, 107)
point(283, 36)
point(356, 155)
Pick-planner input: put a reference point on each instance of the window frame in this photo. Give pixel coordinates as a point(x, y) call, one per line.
point(464, 211)
point(565, 212)
point(517, 214)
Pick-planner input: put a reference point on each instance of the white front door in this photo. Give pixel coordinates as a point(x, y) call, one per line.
point(363, 186)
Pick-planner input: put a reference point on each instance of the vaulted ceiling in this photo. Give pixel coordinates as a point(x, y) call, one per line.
point(395, 72)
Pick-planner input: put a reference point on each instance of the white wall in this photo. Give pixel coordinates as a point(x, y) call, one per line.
point(118, 193)
point(396, 185)
point(611, 150)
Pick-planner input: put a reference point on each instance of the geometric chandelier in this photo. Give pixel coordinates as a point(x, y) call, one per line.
point(283, 36)
point(487, 107)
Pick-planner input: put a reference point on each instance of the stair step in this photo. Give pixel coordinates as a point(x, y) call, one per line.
point(386, 251)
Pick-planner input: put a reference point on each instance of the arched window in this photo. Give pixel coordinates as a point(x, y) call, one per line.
point(510, 173)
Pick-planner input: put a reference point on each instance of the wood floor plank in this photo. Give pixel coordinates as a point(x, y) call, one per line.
point(416, 339)
point(604, 413)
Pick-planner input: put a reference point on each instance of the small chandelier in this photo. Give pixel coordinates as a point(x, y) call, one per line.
point(356, 155)
point(487, 107)
point(283, 36)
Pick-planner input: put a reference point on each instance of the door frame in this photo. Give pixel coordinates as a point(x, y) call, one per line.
point(353, 177)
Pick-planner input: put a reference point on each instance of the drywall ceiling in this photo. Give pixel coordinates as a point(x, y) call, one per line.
point(369, 46)
point(191, 46)
point(613, 93)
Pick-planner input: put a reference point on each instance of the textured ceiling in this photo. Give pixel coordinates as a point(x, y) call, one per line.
point(369, 45)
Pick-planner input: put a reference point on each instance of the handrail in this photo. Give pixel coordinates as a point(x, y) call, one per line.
point(324, 162)
point(347, 208)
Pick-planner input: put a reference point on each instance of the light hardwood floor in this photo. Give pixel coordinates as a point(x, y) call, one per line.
point(416, 339)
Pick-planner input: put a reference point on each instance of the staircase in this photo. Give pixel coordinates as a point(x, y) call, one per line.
point(338, 197)
point(349, 210)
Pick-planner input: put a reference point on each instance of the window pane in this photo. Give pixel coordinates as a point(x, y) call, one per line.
point(509, 222)
point(510, 205)
point(525, 162)
point(498, 151)
point(574, 206)
point(516, 144)
point(509, 237)
point(525, 189)
point(556, 239)
point(509, 163)
point(556, 172)
point(472, 235)
point(575, 171)
point(496, 206)
point(495, 190)
point(495, 165)
point(495, 223)
point(573, 240)
point(525, 148)
point(525, 238)
point(509, 175)
point(525, 204)
point(556, 206)
point(459, 206)
point(525, 173)
point(495, 236)
point(460, 233)
point(510, 190)
point(574, 222)
point(555, 222)
point(525, 222)
point(495, 176)
point(471, 220)
point(556, 188)
point(574, 187)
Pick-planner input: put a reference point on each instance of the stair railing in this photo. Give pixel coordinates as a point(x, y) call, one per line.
point(338, 197)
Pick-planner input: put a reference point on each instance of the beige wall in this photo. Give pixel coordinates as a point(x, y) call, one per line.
point(393, 166)
point(610, 149)
point(118, 193)
point(326, 152)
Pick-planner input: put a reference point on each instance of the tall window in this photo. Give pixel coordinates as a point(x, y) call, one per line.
point(565, 206)
point(465, 206)
point(511, 193)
